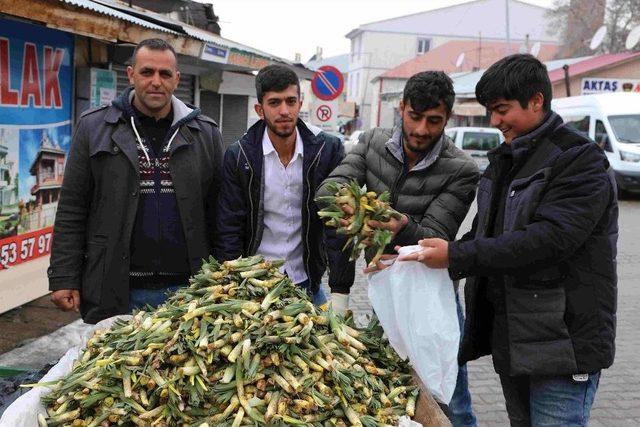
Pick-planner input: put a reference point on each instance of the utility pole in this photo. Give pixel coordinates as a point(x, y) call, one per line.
point(567, 81)
point(479, 50)
point(506, 9)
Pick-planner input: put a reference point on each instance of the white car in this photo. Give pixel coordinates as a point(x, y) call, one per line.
point(476, 141)
point(612, 120)
point(352, 140)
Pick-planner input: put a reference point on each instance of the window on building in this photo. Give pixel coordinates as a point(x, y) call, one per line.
point(423, 46)
point(357, 85)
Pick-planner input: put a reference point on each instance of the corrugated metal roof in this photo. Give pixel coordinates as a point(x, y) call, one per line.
point(208, 37)
point(592, 64)
point(465, 84)
point(159, 22)
point(166, 23)
point(444, 57)
point(105, 10)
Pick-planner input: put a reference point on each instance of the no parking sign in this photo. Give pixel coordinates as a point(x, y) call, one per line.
point(324, 112)
point(327, 84)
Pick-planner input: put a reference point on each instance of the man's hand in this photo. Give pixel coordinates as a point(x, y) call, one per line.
point(393, 225)
point(67, 299)
point(385, 261)
point(434, 253)
point(349, 211)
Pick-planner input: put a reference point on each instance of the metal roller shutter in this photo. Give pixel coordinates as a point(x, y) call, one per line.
point(210, 104)
point(184, 91)
point(234, 117)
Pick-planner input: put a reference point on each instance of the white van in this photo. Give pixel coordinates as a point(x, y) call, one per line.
point(612, 120)
point(476, 142)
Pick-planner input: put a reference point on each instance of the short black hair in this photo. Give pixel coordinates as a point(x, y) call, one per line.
point(275, 78)
point(427, 89)
point(153, 44)
point(518, 77)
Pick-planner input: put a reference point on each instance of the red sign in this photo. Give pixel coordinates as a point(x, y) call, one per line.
point(24, 247)
point(327, 83)
point(323, 113)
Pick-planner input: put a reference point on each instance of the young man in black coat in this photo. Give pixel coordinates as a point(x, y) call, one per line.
point(270, 176)
point(540, 258)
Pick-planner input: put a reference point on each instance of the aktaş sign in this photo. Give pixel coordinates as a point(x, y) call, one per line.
point(597, 85)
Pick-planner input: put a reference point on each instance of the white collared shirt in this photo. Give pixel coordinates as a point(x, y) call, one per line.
point(282, 235)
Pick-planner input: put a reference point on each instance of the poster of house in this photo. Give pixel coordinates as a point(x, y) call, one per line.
point(36, 77)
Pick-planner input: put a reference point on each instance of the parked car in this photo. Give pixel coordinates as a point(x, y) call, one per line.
point(476, 141)
point(612, 120)
point(352, 140)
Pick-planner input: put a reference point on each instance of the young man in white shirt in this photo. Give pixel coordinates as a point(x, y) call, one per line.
point(270, 177)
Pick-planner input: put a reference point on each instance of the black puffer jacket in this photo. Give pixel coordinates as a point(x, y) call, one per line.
point(541, 296)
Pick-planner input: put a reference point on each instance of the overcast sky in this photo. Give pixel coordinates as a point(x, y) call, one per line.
point(284, 27)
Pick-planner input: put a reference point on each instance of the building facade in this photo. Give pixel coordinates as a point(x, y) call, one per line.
point(380, 46)
point(60, 57)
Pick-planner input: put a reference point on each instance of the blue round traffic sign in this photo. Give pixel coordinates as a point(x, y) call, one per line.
point(327, 84)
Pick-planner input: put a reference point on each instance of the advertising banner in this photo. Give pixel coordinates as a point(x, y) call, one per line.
point(36, 79)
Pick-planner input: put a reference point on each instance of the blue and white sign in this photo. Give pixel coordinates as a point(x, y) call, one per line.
point(214, 53)
point(598, 85)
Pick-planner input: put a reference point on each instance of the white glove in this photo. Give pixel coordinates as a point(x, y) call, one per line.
point(339, 303)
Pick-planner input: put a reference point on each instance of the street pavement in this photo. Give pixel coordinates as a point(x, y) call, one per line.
point(618, 398)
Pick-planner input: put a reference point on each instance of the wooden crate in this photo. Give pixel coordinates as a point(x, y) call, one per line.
point(428, 413)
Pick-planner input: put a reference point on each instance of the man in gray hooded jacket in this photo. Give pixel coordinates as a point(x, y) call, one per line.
point(136, 213)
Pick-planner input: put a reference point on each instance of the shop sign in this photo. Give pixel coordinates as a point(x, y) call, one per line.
point(103, 86)
point(597, 85)
point(36, 75)
point(213, 53)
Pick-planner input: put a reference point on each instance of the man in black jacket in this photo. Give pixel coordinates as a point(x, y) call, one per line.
point(540, 258)
point(136, 213)
point(269, 180)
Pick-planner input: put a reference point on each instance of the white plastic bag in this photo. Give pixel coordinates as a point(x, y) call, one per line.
point(24, 411)
point(417, 309)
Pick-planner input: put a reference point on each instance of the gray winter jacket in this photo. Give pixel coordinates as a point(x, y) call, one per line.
point(435, 194)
